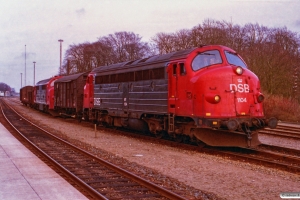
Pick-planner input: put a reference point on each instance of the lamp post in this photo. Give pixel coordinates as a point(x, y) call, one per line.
point(34, 73)
point(60, 41)
point(25, 64)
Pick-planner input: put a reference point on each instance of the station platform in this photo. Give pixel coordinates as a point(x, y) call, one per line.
point(24, 176)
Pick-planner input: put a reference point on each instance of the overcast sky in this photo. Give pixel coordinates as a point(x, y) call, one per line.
point(39, 24)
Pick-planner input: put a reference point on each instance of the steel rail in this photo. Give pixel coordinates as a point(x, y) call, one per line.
point(62, 169)
point(162, 191)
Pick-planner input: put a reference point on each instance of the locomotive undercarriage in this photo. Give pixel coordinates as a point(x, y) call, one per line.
point(238, 132)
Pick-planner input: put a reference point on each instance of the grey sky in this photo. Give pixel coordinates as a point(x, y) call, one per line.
point(39, 24)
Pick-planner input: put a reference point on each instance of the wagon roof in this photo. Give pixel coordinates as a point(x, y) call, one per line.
point(27, 86)
point(70, 78)
point(146, 61)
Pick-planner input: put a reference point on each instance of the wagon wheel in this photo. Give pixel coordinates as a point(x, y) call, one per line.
point(79, 118)
point(106, 125)
point(159, 134)
point(179, 138)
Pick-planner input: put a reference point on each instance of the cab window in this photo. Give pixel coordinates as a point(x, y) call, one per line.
point(205, 59)
point(182, 69)
point(234, 59)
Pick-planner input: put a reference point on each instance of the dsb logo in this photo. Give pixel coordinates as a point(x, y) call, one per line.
point(239, 88)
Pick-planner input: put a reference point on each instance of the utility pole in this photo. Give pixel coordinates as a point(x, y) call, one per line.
point(25, 65)
point(60, 41)
point(21, 80)
point(34, 73)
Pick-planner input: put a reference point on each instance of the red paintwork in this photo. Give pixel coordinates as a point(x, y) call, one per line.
point(88, 101)
point(192, 95)
point(47, 95)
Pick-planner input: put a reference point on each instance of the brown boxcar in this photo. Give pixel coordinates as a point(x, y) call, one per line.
point(26, 95)
point(68, 94)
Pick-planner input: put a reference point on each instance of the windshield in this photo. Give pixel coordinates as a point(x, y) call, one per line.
point(233, 59)
point(205, 59)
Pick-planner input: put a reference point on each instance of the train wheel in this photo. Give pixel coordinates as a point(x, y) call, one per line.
point(179, 138)
point(159, 134)
point(79, 118)
point(200, 143)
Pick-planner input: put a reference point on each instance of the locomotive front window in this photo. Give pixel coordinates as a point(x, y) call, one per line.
point(234, 59)
point(206, 59)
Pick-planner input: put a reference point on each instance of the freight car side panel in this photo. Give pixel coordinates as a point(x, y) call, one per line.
point(26, 95)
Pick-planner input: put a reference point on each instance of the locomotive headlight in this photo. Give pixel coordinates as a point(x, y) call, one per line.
point(212, 98)
point(260, 98)
point(217, 98)
point(239, 70)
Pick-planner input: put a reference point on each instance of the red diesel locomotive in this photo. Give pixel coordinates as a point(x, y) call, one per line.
point(44, 94)
point(206, 94)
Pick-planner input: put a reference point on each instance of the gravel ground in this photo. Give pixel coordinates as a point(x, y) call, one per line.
point(278, 141)
point(204, 176)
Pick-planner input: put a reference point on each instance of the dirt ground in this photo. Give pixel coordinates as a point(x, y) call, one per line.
point(222, 177)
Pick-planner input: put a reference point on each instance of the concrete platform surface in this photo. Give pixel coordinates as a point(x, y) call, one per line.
point(25, 176)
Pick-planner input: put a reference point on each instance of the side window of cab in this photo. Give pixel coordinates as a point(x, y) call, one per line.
point(182, 69)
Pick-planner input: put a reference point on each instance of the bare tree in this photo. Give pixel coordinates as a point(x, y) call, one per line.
point(272, 53)
point(125, 46)
point(4, 87)
point(76, 60)
point(164, 42)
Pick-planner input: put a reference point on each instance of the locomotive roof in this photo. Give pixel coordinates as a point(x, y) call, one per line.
point(70, 78)
point(150, 62)
point(43, 82)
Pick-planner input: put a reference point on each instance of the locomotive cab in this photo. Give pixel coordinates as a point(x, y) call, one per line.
point(44, 94)
point(225, 95)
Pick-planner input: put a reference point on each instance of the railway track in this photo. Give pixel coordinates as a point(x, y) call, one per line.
point(284, 131)
point(268, 156)
point(99, 178)
point(276, 157)
point(282, 150)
